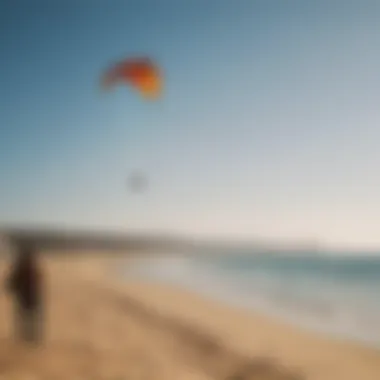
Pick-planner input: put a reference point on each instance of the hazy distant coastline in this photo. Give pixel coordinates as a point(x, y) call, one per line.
point(61, 238)
point(65, 238)
point(74, 238)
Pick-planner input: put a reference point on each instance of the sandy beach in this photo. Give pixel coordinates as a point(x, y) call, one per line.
point(101, 328)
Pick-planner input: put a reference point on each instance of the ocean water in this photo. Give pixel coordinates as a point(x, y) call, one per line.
point(334, 295)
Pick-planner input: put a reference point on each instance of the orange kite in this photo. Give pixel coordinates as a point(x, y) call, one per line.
point(140, 73)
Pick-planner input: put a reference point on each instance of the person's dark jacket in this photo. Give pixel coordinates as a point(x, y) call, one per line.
point(25, 282)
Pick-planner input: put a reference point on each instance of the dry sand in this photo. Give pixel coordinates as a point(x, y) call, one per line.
point(101, 329)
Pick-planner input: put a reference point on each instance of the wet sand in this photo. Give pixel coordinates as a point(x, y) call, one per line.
point(98, 328)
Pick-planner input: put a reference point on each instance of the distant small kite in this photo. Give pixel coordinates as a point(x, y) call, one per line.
point(141, 73)
point(137, 182)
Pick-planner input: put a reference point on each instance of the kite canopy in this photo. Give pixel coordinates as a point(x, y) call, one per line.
point(141, 73)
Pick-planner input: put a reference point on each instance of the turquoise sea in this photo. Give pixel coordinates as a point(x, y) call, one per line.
point(331, 294)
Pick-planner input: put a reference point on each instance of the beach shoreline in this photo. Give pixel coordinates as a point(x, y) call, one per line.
point(253, 334)
point(328, 305)
point(136, 329)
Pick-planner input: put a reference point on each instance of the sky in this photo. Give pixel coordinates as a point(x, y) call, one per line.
point(268, 128)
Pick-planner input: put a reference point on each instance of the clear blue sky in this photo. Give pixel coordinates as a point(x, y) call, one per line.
point(269, 126)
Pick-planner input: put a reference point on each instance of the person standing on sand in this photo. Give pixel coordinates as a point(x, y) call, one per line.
point(25, 285)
